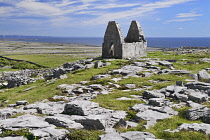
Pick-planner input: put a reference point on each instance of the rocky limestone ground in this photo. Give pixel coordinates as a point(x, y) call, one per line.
point(77, 108)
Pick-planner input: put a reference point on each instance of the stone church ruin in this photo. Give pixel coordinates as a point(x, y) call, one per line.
point(115, 46)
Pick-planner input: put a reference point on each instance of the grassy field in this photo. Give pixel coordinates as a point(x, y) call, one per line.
point(44, 90)
point(47, 60)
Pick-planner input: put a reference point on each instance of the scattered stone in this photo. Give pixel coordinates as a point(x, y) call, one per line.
point(126, 98)
point(136, 135)
point(181, 97)
point(151, 115)
point(193, 104)
point(166, 63)
point(140, 107)
point(203, 128)
point(83, 108)
point(21, 102)
point(63, 121)
point(178, 72)
point(197, 112)
point(198, 85)
point(27, 89)
point(98, 64)
point(139, 64)
point(25, 121)
point(99, 77)
point(130, 86)
point(203, 74)
point(152, 94)
point(11, 105)
point(179, 83)
point(14, 138)
point(159, 102)
point(165, 109)
point(50, 133)
point(198, 97)
point(92, 122)
point(110, 136)
point(194, 76)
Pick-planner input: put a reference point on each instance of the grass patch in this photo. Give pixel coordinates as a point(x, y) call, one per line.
point(81, 134)
point(22, 132)
point(47, 60)
point(109, 101)
point(43, 90)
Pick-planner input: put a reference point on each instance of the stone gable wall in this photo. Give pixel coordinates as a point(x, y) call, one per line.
point(115, 46)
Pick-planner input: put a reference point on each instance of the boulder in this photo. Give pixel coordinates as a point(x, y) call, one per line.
point(203, 128)
point(206, 119)
point(96, 86)
point(95, 122)
point(82, 107)
point(130, 86)
point(178, 72)
point(203, 74)
point(50, 133)
point(151, 115)
point(14, 138)
point(181, 97)
point(98, 64)
point(63, 121)
point(197, 112)
point(165, 63)
point(21, 102)
point(198, 85)
point(25, 121)
point(139, 64)
point(159, 102)
point(100, 76)
point(49, 108)
point(193, 104)
point(140, 107)
point(152, 94)
point(198, 97)
point(194, 76)
point(110, 136)
point(136, 135)
point(165, 109)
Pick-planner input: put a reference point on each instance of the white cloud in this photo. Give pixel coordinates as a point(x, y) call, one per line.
point(180, 28)
point(5, 11)
point(191, 14)
point(114, 5)
point(181, 20)
point(134, 12)
point(38, 8)
point(65, 10)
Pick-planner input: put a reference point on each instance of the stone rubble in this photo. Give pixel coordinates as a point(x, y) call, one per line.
point(75, 110)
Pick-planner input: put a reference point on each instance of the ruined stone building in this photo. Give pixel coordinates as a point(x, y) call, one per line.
point(115, 46)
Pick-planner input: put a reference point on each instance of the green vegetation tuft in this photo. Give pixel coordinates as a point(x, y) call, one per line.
point(81, 134)
point(22, 132)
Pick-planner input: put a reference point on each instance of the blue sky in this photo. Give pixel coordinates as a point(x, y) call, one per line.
point(89, 18)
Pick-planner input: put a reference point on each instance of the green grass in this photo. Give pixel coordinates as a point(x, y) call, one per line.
point(81, 134)
point(143, 81)
point(109, 100)
point(22, 132)
point(182, 60)
point(48, 60)
point(45, 91)
point(16, 65)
